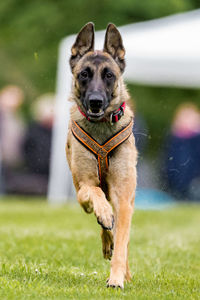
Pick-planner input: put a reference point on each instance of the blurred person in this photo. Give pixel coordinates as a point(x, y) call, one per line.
point(182, 161)
point(1, 175)
point(37, 144)
point(11, 133)
point(11, 125)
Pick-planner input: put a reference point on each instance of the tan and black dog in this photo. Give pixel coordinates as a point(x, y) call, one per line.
point(100, 147)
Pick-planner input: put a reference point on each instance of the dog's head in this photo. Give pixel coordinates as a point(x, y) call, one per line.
point(97, 74)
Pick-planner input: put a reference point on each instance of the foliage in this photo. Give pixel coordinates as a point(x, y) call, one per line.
point(31, 31)
point(55, 253)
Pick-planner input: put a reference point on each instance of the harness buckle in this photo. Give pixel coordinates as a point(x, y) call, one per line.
point(119, 113)
point(111, 116)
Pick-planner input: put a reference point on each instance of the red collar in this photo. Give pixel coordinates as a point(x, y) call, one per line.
point(114, 116)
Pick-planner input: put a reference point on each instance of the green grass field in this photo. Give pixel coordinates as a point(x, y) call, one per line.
point(55, 253)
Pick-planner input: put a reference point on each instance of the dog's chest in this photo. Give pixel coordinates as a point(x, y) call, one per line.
point(100, 132)
point(101, 151)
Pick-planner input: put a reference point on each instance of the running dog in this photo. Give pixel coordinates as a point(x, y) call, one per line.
point(100, 146)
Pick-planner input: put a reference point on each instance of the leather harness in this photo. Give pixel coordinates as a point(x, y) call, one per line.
point(101, 152)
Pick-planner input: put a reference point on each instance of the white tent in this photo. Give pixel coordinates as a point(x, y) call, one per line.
point(163, 52)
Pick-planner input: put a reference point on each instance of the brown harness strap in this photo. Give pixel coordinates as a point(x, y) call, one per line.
point(101, 151)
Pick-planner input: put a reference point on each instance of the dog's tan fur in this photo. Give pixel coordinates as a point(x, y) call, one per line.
point(121, 177)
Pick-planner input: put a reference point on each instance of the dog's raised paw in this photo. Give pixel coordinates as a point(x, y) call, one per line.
point(104, 215)
point(105, 223)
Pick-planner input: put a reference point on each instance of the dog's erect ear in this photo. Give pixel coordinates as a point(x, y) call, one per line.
point(84, 43)
point(114, 46)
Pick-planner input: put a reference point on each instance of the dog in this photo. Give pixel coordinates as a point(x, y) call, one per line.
point(100, 146)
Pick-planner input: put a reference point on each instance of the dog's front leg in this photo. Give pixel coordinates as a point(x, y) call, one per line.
point(92, 198)
point(119, 263)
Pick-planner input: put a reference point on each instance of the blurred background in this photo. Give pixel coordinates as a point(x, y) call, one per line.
point(167, 127)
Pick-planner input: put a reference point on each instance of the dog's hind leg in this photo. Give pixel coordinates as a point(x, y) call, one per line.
point(92, 198)
point(107, 243)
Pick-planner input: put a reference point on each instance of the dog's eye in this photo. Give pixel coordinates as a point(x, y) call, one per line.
point(84, 74)
point(109, 75)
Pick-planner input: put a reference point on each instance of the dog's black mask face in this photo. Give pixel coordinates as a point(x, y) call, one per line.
point(96, 72)
point(96, 81)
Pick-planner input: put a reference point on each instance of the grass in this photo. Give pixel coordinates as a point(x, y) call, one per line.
point(55, 253)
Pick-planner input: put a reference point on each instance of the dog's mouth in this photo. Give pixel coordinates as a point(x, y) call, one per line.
point(95, 113)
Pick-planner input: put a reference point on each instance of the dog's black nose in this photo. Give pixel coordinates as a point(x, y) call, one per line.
point(96, 101)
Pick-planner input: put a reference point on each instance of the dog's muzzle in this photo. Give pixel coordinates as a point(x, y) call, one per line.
point(95, 105)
